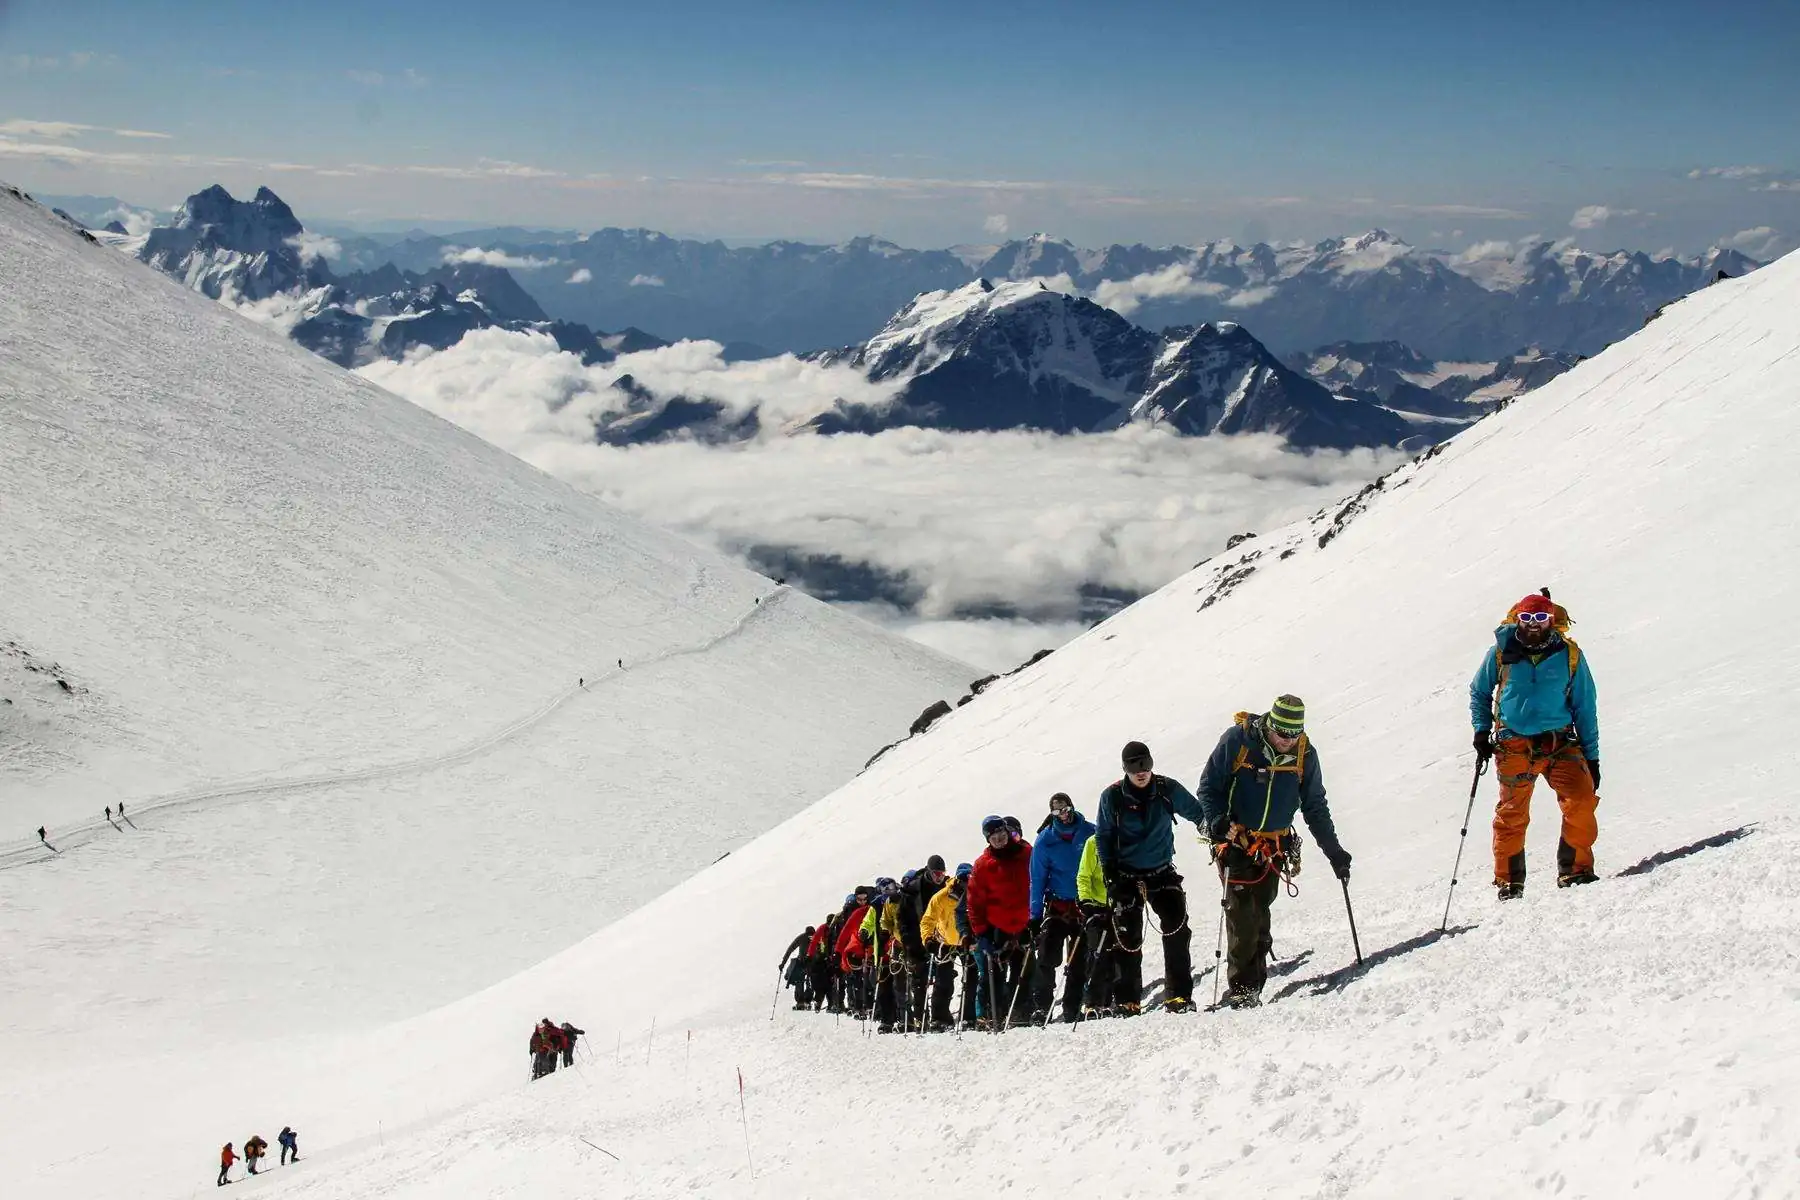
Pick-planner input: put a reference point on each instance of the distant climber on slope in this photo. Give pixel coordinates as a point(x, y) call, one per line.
point(881, 933)
point(570, 1033)
point(1534, 707)
point(290, 1144)
point(227, 1156)
point(1262, 772)
point(254, 1150)
point(1056, 909)
point(1136, 835)
point(1000, 913)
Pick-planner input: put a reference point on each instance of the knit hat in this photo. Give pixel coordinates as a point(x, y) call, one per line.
point(935, 863)
point(1288, 715)
point(1535, 603)
point(1136, 757)
point(964, 870)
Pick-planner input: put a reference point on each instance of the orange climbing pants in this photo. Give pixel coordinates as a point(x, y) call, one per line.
point(1518, 761)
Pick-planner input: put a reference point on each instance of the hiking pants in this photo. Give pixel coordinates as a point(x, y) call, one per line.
point(943, 986)
point(222, 1170)
point(569, 1054)
point(1250, 888)
point(287, 1150)
point(1100, 956)
point(918, 974)
point(887, 992)
point(1005, 971)
point(819, 979)
point(1054, 933)
point(1518, 761)
point(1170, 904)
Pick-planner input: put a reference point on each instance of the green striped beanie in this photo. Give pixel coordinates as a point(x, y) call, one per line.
point(1288, 714)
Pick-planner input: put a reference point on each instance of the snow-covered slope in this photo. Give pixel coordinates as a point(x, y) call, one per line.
point(1634, 1037)
point(356, 675)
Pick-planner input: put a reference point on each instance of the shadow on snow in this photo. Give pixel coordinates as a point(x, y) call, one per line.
point(1668, 856)
point(1333, 981)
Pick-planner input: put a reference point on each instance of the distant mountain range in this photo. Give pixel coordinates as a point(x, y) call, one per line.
point(1023, 349)
point(256, 253)
point(792, 296)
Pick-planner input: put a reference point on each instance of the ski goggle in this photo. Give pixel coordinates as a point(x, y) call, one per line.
point(1063, 806)
point(1534, 618)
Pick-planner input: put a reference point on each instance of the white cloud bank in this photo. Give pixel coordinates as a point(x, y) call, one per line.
point(495, 258)
point(1173, 282)
point(646, 281)
point(582, 275)
point(314, 246)
point(1021, 520)
point(1763, 243)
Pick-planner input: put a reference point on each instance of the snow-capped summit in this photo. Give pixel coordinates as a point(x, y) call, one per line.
point(1020, 354)
point(1219, 379)
point(234, 249)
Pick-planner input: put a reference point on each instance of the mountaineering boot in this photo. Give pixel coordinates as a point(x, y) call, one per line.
point(1178, 1004)
point(885, 1027)
point(1090, 1013)
point(1571, 878)
point(1509, 891)
point(1128, 1010)
point(1243, 997)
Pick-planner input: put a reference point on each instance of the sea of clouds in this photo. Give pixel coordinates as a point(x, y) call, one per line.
point(1012, 522)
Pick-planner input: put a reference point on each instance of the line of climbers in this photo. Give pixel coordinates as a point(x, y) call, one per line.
point(255, 1148)
point(996, 932)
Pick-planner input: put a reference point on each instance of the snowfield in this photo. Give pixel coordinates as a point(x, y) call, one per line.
point(1635, 1037)
point(355, 675)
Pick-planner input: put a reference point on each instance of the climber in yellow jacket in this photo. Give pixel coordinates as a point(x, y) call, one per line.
point(945, 950)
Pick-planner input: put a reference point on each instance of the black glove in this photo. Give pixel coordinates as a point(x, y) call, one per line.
point(1594, 770)
point(1032, 926)
point(1484, 745)
point(1340, 862)
point(1219, 828)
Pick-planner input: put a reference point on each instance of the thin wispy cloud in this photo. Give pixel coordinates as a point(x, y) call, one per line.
point(996, 224)
point(860, 182)
point(582, 275)
point(647, 281)
point(20, 127)
point(1592, 216)
point(1728, 172)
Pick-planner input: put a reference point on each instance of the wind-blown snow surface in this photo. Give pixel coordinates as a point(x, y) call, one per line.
point(1634, 1037)
point(326, 647)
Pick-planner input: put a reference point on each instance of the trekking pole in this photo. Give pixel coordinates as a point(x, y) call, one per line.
point(1219, 950)
point(1354, 941)
point(777, 1000)
point(1020, 983)
point(1462, 839)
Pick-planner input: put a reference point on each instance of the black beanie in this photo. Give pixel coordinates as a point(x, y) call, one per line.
point(935, 863)
point(1136, 757)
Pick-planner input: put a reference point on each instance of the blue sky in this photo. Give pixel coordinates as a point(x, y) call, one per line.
point(932, 123)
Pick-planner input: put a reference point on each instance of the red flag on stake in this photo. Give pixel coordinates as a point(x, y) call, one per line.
point(745, 1113)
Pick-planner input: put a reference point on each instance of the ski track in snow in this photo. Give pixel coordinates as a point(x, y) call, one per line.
point(24, 852)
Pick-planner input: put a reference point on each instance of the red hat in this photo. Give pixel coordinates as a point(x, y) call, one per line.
point(1535, 603)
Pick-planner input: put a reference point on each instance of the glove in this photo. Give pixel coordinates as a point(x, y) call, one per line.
point(1484, 745)
point(1594, 770)
point(1032, 926)
point(1219, 828)
point(1340, 862)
